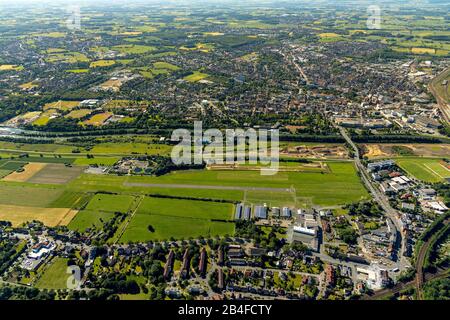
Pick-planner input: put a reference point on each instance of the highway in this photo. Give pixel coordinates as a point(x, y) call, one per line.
point(380, 198)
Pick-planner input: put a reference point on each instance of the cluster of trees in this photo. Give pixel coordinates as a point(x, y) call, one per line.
point(312, 138)
point(8, 249)
point(312, 124)
point(164, 165)
point(346, 232)
point(366, 208)
point(445, 130)
point(443, 189)
point(248, 229)
point(14, 105)
point(110, 227)
point(24, 293)
point(118, 283)
point(394, 138)
point(437, 290)
point(433, 258)
point(100, 294)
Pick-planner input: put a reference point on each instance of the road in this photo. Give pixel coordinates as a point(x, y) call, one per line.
point(380, 198)
point(297, 66)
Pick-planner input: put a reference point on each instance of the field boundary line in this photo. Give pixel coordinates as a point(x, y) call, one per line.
point(133, 213)
point(434, 172)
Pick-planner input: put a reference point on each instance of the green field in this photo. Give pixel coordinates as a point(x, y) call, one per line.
point(133, 49)
point(130, 148)
point(11, 165)
point(28, 195)
point(39, 147)
point(178, 219)
point(102, 161)
point(88, 219)
point(426, 169)
point(55, 276)
point(68, 199)
point(100, 148)
point(196, 76)
point(340, 186)
point(4, 173)
point(99, 196)
point(110, 203)
point(186, 208)
point(102, 63)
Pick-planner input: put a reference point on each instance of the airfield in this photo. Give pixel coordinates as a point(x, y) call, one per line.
point(53, 187)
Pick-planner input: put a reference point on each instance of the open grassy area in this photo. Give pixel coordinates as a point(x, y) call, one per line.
point(29, 170)
point(165, 65)
point(40, 147)
point(4, 173)
point(340, 186)
point(78, 70)
point(11, 165)
point(28, 195)
point(110, 203)
point(133, 49)
point(10, 67)
point(69, 199)
point(158, 219)
point(77, 114)
point(102, 161)
point(62, 105)
point(186, 208)
point(426, 169)
point(55, 173)
point(66, 57)
point(55, 276)
point(131, 148)
point(98, 119)
point(88, 219)
point(102, 63)
point(196, 76)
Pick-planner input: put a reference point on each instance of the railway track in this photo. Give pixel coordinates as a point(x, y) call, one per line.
point(442, 101)
point(420, 279)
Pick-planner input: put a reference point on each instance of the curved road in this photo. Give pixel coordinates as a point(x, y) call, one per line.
point(379, 197)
